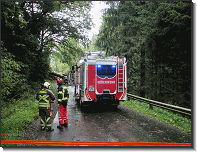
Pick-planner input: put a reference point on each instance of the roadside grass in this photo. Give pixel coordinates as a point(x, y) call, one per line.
point(17, 115)
point(53, 88)
point(175, 119)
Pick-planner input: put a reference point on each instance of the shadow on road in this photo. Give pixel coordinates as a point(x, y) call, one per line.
point(98, 109)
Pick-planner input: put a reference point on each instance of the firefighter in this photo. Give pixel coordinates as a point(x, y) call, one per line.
point(57, 83)
point(63, 97)
point(45, 96)
point(65, 79)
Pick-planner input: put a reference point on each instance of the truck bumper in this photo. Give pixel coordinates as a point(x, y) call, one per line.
point(108, 99)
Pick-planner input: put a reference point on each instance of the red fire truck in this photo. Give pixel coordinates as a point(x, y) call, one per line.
point(100, 80)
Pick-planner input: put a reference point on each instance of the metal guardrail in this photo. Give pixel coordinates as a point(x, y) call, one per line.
point(162, 105)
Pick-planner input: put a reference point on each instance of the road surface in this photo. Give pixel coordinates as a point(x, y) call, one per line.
point(104, 124)
point(122, 124)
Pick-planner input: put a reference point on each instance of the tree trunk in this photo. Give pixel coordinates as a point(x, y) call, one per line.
point(142, 80)
point(155, 83)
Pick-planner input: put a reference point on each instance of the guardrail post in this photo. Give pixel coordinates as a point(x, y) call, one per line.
point(128, 98)
point(161, 105)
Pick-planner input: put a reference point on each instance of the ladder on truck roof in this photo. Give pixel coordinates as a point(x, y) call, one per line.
point(120, 76)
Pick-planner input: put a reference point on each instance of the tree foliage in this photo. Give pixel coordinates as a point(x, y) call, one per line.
point(92, 44)
point(29, 32)
point(156, 37)
point(57, 65)
point(69, 51)
point(11, 77)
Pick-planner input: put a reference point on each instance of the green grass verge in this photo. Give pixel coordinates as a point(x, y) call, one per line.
point(174, 119)
point(18, 115)
point(53, 88)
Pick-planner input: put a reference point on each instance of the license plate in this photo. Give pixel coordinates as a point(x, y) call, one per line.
point(91, 89)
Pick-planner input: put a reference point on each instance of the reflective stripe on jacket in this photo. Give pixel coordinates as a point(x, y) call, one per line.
point(43, 97)
point(62, 93)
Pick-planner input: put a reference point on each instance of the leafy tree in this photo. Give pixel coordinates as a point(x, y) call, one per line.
point(151, 33)
point(58, 66)
point(11, 76)
point(92, 45)
point(69, 51)
point(30, 29)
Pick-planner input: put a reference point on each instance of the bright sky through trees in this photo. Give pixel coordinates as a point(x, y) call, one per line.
point(96, 13)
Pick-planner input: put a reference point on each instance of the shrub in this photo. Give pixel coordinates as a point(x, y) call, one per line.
point(12, 82)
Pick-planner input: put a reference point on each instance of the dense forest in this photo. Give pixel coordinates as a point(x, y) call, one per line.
point(156, 38)
point(39, 37)
point(34, 32)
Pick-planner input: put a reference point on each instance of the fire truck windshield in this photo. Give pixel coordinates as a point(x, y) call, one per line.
point(106, 71)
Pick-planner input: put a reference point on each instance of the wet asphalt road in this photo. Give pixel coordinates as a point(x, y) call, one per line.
point(122, 124)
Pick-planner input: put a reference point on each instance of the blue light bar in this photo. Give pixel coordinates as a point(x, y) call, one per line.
point(98, 66)
point(113, 66)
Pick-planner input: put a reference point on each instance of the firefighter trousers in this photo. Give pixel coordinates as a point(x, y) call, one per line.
point(63, 118)
point(45, 120)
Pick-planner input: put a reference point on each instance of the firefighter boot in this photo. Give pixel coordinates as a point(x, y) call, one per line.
point(65, 125)
point(42, 128)
point(60, 127)
point(50, 129)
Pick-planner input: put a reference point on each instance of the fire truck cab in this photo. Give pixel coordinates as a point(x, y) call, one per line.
point(101, 81)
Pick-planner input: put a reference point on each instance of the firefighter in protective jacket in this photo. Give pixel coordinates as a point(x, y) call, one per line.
point(63, 97)
point(45, 96)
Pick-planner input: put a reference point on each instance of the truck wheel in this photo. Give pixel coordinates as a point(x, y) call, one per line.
point(114, 107)
point(82, 106)
point(78, 103)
